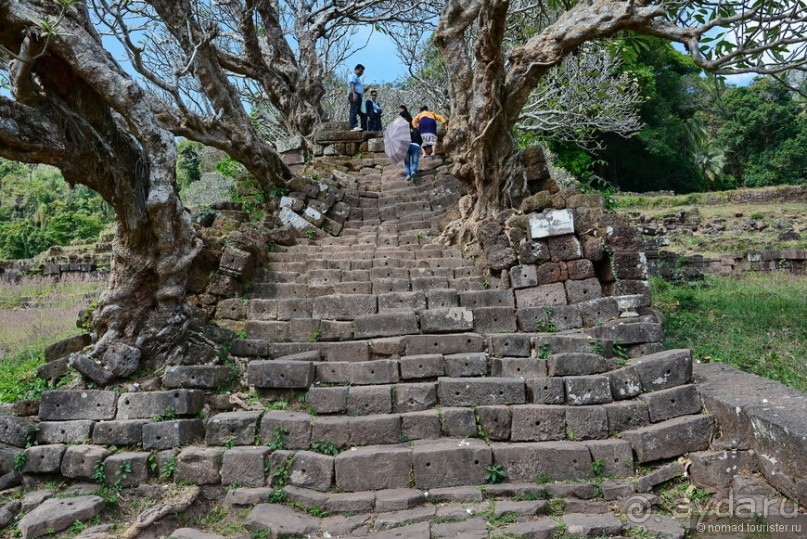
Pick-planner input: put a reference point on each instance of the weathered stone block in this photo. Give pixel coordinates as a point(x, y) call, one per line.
point(58, 514)
point(442, 299)
point(407, 301)
point(509, 345)
point(495, 421)
point(199, 466)
point(425, 366)
point(423, 425)
point(182, 402)
point(664, 370)
point(344, 307)
point(579, 269)
point(448, 320)
point(443, 344)
point(458, 422)
point(281, 520)
point(232, 428)
point(81, 461)
point(487, 298)
point(67, 346)
point(280, 374)
point(68, 405)
point(327, 400)
point(295, 425)
point(374, 429)
point(530, 461)
point(581, 291)
point(491, 319)
point(538, 423)
point(592, 525)
point(546, 391)
point(715, 470)
point(616, 457)
point(625, 383)
point(385, 325)
point(598, 311)
point(575, 364)
point(120, 433)
point(518, 367)
point(196, 376)
point(540, 296)
point(332, 372)
point(523, 276)
point(586, 422)
point(459, 365)
point(127, 469)
point(64, 432)
point(450, 463)
point(311, 470)
point(626, 415)
point(369, 400)
point(564, 248)
point(374, 372)
point(373, 468)
point(415, 397)
point(673, 402)
point(44, 458)
point(170, 434)
point(480, 391)
point(671, 438)
point(582, 390)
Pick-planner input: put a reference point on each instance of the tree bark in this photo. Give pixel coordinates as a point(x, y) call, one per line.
point(102, 133)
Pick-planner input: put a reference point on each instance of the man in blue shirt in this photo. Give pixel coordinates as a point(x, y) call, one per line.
point(355, 98)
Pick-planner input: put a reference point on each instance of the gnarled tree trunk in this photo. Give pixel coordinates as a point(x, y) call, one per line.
point(74, 108)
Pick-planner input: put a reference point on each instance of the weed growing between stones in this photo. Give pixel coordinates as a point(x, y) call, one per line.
point(325, 447)
point(546, 325)
point(170, 467)
point(169, 414)
point(279, 439)
point(19, 461)
point(495, 474)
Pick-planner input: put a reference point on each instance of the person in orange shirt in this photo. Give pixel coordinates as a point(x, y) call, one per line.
point(426, 124)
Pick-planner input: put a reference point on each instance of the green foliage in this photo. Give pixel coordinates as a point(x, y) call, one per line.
point(495, 474)
point(38, 209)
point(324, 447)
point(764, 132)
point(755, 323)
point(170, 467)
point(188, 162)
point(19, 460)
point(277, 192)
point(279, 439)
point(597, 467)
point(229, 168)
point(169, 414)
point(546, 325)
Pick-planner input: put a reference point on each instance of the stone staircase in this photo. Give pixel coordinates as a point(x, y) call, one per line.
point(389, 378)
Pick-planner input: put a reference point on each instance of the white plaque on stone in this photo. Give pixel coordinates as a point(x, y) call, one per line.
point(551, 223)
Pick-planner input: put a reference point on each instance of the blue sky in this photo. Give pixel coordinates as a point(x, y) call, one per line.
point(379, 57)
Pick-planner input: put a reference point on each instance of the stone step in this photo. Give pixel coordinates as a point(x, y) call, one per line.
point(510, 345)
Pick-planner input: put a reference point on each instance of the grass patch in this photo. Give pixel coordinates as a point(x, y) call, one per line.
point(755, 323)
point(24, 333)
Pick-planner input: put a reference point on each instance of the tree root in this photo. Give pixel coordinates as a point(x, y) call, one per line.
point(162, 509)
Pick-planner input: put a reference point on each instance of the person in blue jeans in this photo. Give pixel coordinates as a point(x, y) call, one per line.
point(412, 155)
point(356, 97)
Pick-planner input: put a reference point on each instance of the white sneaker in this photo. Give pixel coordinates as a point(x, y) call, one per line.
point(357, 128)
